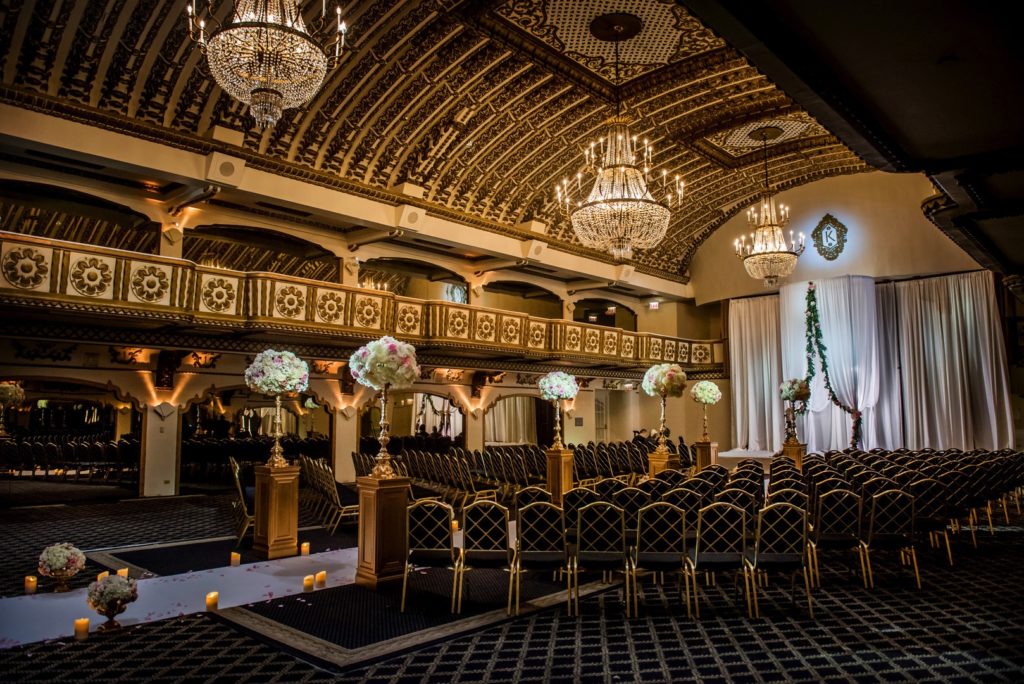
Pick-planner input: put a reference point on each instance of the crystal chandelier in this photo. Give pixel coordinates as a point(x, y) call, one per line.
point(266, 56)
point(620, 213)
point(768, 256)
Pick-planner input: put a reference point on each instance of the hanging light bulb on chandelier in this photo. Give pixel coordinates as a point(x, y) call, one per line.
point(266, 56)
point(618, 211)
point(768, 256)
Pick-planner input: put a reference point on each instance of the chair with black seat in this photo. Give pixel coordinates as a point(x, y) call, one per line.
point(529, 495)
point(485, 544)
point(931, 512)
point(790, 496)
point(742, 498)
point(689, 500)
point(572, 501)
point(660, 541)
point(836, 526)
point(654, 487)
point(631, 500)
point(540, 545)
point(889, 526)
point(780, 545)
point(431, 542)
point(720, 545)
point(716, 474)
point(607, 487)
point(672, 476)
point(601, 545)
point(243, 507)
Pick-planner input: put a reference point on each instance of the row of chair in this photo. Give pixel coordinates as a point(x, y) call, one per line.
point(106, 460)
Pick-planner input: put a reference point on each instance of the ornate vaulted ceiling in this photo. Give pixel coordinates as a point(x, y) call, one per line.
point(485, 104)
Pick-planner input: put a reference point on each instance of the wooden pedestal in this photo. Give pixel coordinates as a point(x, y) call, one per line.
point(277, 512)
point(658, 461)
point(382, 530)
point(796, 452)
point(559, 473)
point(704, 454)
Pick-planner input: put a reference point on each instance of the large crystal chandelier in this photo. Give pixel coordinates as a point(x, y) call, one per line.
point(619, 213)
point(266, 56)
point(768, 256)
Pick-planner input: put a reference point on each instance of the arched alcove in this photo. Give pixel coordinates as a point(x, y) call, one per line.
point(409, 278)
point(524, 297)
point(247, 248)
point(519, 419)
point(425, 421)
point(600, 311)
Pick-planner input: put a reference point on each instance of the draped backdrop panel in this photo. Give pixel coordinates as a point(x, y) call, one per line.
point(756, 373)
point(512, 420)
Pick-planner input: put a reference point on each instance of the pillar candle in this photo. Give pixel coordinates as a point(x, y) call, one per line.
point(123, 572)
point(212, 600)
point(304, 548)
point(236, 558)
point(307, 583)
point(455, 525)
point(102, 576)
point(321, 579)
point(30, 584)
point(81, 628)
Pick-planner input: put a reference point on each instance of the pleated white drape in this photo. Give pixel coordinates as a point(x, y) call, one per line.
point(954, 374)
point(512, 420)
point(755, 368)
point(883, 425)
point(432, 419)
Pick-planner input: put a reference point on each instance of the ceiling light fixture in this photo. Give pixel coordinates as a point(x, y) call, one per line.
point(768, 256)
point(619, 214)
point(266, 56)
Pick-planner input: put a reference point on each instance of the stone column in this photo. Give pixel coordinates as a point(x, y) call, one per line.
point(276, 532)
point(348, 271)
point(382, 540)
point(474, 427)
point(345, 437)
point(170, 240)
point(568, 307)
point(161, 450)
point(123, 422)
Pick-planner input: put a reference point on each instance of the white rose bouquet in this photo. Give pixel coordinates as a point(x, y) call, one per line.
point(558, 385)
point(664, 380)
point(277, 372)
point(112, 589)
point(11, 393)
point(796, 389)
point(385, 362)
point(61, 559)
point(706, 392)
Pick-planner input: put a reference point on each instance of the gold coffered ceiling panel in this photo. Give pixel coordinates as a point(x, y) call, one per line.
point(458, 97)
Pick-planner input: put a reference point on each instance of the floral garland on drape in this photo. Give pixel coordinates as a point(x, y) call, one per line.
point(815, 346)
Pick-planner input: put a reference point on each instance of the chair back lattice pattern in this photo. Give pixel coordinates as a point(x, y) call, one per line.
point(631, 500)
point(721, 528)
point(781, 530)
point(837, 514)
point(539, 529)
point(430, 526)
point(686, 499)
point(486, 530)
point(608, 487)
point(891, 514)
point(572, 501)
point(931, 498)
point(529, 495)
point(601, 529)
point(790, 496)
point(661, 528)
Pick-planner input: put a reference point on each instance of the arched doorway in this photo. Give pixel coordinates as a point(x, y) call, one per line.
point(598, 311)
point(524, 297)
point(419, 420)
point(519, 419)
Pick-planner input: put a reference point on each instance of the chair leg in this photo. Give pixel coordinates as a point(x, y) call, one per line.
point(405, 583)
point(455, 584)
point(511, 577)
point(988, 512)
point(949, 547)
point(807, 588)
point(1006, 508)
point(576, 586)
point(913, 558)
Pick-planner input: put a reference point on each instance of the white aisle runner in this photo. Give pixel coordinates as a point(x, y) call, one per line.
point(26, 619)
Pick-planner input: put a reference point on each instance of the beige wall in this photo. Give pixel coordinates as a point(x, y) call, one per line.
point(684, 416)
point(421, 288)
point(511, 302)
point(888, 236)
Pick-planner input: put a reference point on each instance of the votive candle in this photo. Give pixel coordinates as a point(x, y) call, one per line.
point(304, 548)
point(30, 584)
point(212, 600)
point(236, 558)
point(307, 583)
point(123, 572)
point(81, 629)
point(455, 525)
point(102, 576)
point(321, 579)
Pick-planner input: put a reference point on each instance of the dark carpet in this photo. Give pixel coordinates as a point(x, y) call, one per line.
point(173, 560)
point(353, 617)
point(16, 492)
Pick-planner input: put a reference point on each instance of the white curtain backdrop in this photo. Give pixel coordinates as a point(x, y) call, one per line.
point(432, 419)
point(954, 374)
point(849, 326)
point(883, 425)
point(512, 420)
point(755, 368)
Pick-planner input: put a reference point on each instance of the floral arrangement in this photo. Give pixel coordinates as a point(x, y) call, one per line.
point(665, 380)
point(277, 372)
point(558, 385)
point(796, 389)
point(11, 393)
point(385, 362)
point(61, 559)
point(706, 392)
point(112, 589)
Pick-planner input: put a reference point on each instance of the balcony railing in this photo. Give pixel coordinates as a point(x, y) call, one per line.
point(76, 277)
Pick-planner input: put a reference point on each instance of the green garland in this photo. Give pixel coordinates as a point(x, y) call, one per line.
point(816, 347)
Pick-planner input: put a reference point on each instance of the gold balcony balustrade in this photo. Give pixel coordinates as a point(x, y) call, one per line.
point(76, 278)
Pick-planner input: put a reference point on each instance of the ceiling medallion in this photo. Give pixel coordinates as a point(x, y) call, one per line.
point(829, 237)
point(619, 214)
point(768, 256)
point(266, 56)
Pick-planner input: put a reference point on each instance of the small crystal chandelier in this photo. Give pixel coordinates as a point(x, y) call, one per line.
point(768, 256)
point(620, 213)
point(266, 56)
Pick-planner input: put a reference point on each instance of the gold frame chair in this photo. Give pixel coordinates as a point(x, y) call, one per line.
point(239, 508)
point(430, 541)
point(485, 540)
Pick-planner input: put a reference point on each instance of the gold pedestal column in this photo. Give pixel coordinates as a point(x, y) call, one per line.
point(277, 512)
point(559, 473)
point(704, 454)
point(382, 530)
point(795, 451)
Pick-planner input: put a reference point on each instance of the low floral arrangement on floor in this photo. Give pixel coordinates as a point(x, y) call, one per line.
point(558, 385)
point(11, 393)
point(112, 589)
point(796, 389)
point(61, 559)
point(664, 380)
point(277, 372)
point(385, 362)
point(706, 392)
